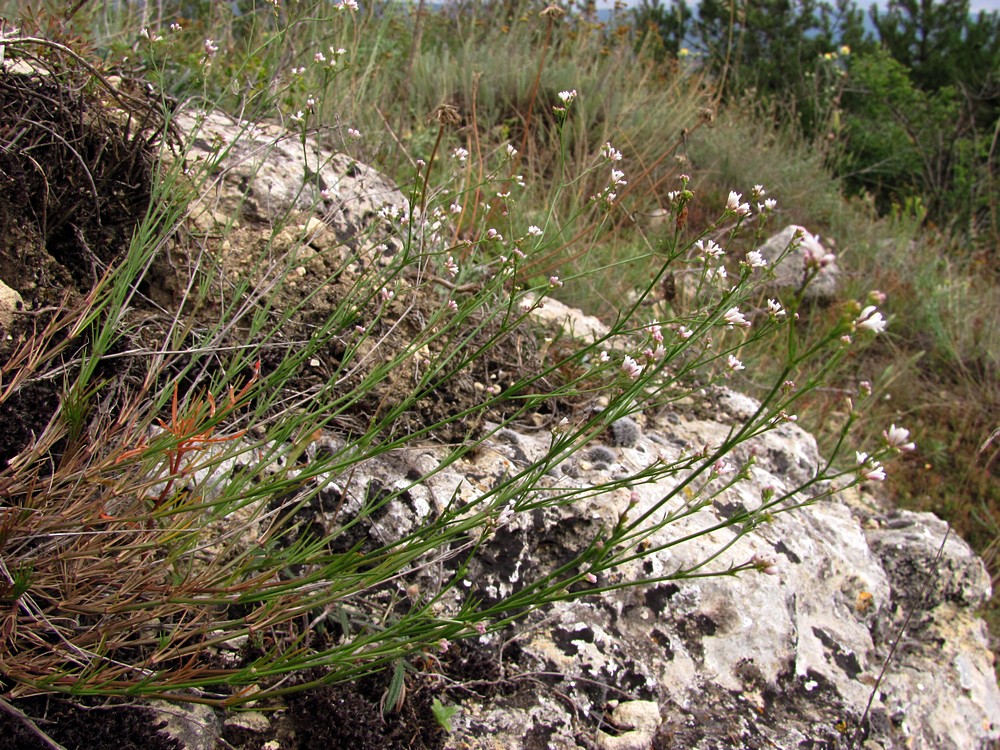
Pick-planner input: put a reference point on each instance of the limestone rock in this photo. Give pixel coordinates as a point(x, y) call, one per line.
point(10, 303)
point(263, 173)
point(195, 725)
point(781, 659)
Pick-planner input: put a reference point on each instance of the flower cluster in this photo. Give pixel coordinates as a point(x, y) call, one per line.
point(733, 204)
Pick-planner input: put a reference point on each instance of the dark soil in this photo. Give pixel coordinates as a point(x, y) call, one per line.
point(78, 727)
point(74, 183)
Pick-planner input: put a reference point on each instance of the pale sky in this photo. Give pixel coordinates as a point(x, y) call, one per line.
point(975, 5)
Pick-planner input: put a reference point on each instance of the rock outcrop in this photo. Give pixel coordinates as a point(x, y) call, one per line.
point(793, 659)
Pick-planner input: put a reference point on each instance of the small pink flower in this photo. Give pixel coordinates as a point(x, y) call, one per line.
point(631, 368)
point(874, 474)
point(734, 317)
point(722, 467)
point(899, 438)
point(764, 565)
point(734, 364)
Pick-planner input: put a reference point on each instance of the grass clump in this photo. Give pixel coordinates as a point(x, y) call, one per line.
point(231, 374)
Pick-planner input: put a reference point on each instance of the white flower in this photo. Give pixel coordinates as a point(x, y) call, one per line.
point(319, 57)
point(755, 259)
point(874, 473)
point(555, 281)
point(567, 97)
point(460, 153)
point(871, 320)
point(603, 357)
point(455, 208)
point(734, 317)
point(297, 117)
point(352, 133)
point(152, 36)
point(452, 305)
point(511, 151)
point(211, 47)
point(534, 231)
point(774, 309)
point(733, 204)
point(616, 178)
point(347, 5)
point(611, 153)
point(451, 267)
point(734, 364)
point(898, 437)
point(684, 332)
point(631, 368)
point(709, 249)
